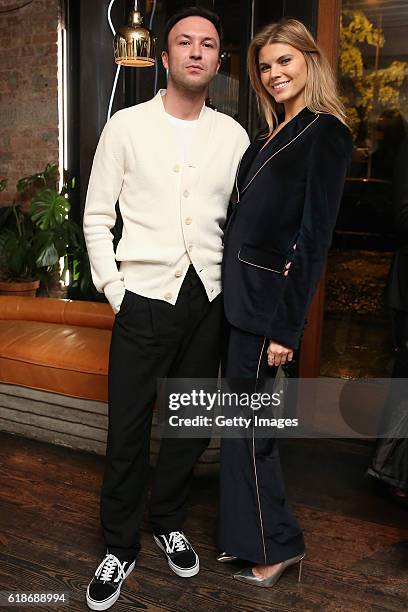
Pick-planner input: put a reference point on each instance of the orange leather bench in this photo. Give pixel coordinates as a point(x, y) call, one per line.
point(51, 348)
point(56, 345)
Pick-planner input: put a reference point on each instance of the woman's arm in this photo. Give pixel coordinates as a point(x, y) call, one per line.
point(329, 160)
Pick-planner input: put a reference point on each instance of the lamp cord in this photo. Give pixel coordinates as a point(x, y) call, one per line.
point(115, 81)
point(156, 68)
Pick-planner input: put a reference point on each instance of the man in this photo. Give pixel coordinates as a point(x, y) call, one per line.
point(171, 162)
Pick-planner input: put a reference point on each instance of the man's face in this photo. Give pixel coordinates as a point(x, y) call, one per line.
point(193, 53)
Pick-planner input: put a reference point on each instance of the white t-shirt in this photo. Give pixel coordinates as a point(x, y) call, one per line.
point(183, 134)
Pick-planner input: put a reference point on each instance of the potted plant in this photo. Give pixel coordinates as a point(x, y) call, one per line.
point(17, 257)
point(36, 233)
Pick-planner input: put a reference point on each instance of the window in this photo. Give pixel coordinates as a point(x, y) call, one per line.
point(372, 69)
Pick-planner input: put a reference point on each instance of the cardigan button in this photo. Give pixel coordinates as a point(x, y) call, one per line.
point(167, 296)
point(188, 221)
point(186, 193)
point(178, 273)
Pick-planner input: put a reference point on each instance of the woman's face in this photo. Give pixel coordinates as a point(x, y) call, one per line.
point(283, 72)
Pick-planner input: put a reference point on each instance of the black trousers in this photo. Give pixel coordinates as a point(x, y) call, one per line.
point(152, 339)
point(255, 522)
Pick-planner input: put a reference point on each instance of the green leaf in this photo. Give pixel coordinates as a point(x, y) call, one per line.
point(26, 181)
point(48, 256)
point(48, 209)
point(16, 262)
point(48, 178)
point(6, 212)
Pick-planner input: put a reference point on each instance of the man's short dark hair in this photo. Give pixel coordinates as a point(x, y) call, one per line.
point(192, 11)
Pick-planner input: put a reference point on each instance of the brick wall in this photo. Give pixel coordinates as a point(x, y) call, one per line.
point(28, 89)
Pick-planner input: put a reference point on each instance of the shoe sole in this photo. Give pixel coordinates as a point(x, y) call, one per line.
point(183, 573)
point(107, 603)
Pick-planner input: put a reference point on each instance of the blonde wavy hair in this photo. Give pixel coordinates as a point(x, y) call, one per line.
point(321, 95)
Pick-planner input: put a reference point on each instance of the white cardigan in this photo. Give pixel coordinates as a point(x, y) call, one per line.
point(173, 213)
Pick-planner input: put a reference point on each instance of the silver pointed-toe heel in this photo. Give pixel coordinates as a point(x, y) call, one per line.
point(246, 575)
point(226, 558)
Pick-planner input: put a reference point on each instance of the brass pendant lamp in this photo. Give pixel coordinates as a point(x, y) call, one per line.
point(134, 45)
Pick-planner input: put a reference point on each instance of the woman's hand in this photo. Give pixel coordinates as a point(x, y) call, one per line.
point(278, 354)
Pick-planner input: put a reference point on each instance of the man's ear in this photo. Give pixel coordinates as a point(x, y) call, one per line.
point(165, 59)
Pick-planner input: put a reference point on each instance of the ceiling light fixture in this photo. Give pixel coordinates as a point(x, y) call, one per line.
point(134, 45)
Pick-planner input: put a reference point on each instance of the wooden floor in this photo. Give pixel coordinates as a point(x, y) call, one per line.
point(357, 543)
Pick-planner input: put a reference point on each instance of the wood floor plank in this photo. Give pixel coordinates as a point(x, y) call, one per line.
point(357, 544)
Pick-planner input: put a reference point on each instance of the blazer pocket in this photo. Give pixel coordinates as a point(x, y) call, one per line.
point(270, 260)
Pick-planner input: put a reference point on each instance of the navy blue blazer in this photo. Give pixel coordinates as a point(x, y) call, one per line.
point(288, 195)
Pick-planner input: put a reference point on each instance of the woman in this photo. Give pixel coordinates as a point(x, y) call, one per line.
point(288, 188)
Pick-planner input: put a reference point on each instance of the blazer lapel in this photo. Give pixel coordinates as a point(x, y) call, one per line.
point(281, 141)
point(247, 162)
